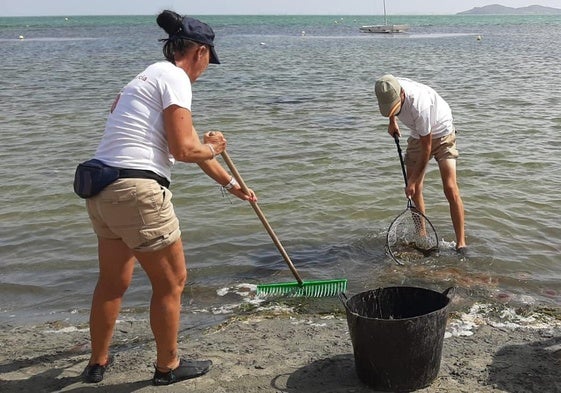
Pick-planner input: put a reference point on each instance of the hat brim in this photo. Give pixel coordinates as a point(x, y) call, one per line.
point(390, 110)
point(213, 56)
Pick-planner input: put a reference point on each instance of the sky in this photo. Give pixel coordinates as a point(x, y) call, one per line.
point(252, 7)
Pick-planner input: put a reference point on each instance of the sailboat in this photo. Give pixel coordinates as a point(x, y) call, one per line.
point(385, 28)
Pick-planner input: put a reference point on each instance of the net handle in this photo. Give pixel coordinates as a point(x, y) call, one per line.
point(410, 203)
point(396, 139)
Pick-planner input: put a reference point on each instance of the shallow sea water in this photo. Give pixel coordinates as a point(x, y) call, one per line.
point(294, 97)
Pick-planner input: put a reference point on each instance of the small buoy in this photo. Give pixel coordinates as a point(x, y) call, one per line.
point(478, 38)
point(262, 44)
point(303, 32)
point(20, 37)
point(65, 18)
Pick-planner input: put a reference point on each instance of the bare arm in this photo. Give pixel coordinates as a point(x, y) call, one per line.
point(184, 145)
point(215, 171)
point(183, 142)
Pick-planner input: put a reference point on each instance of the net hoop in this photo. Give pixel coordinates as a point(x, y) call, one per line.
point(404, 242)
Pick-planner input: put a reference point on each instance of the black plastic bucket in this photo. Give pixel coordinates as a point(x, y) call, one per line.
point(397, 335)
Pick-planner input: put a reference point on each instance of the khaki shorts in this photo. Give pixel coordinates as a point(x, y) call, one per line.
point(443, 148)
point(137, 211)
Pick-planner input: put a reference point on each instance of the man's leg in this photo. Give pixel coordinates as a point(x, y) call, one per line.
point(452, 192)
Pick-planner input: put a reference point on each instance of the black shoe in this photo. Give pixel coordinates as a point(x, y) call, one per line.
point(94, 373)
point(187, 369)
point(462, 251)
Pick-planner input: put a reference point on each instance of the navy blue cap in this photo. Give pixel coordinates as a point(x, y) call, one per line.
point(197, 31)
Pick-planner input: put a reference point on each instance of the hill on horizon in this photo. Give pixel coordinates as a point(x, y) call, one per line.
point(497, 9)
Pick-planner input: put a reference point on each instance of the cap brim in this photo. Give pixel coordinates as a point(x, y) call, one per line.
point(390, 110)
point(395, 109)
point(213, 56)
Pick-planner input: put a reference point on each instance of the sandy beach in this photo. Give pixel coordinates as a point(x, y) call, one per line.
point(486, 349)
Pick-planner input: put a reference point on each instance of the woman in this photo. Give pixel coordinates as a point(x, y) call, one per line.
point(149, 127)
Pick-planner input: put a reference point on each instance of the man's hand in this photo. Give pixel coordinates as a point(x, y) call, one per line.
point(393, 127)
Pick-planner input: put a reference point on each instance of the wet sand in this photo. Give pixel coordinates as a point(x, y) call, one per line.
point(264, 351)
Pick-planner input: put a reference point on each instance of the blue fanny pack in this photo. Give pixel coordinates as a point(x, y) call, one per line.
point(92, 176)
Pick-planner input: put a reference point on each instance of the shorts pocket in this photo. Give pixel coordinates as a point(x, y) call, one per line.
point(121, 208)
point(161, 219)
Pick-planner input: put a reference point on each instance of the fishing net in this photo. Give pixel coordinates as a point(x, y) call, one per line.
point(411, 236)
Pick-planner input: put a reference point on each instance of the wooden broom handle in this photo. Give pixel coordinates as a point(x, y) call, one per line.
point(261, 216)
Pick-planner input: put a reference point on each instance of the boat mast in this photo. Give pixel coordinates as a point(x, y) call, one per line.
point(385, 17)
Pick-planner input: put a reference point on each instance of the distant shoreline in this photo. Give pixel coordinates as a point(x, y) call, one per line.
point(481, 11)
point(463, 13)
point(497, 9)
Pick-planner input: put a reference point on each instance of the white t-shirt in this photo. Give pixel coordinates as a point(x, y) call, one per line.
point(134, 136)
point(424, 111)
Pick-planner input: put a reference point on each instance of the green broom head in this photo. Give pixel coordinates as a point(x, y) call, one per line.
point(306, 289)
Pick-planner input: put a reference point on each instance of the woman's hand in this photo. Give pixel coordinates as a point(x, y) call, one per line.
point(233, 187)
point(216, 140)
point(238, 192)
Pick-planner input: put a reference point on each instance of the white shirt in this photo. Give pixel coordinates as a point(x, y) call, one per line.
point(424, 111)
point(134, 136)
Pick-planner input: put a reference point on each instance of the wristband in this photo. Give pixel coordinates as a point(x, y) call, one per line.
point(211, 149)
point(231, 184)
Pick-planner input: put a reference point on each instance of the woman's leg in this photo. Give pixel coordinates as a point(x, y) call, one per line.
point(167, 272)
point(116, 265)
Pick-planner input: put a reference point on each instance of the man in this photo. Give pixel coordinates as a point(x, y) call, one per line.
point(429, 118)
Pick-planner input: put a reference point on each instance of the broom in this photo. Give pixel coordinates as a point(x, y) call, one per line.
point(299, 288)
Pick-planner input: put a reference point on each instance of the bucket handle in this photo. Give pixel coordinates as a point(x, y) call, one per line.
point(449, 292)
point(343, 298)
